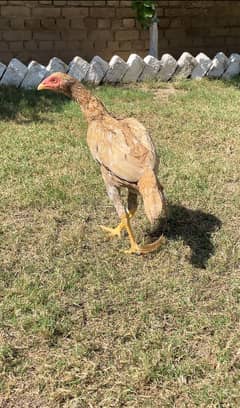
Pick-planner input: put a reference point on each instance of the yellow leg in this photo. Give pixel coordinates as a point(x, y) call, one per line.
point(134, 247)
point(113, 232)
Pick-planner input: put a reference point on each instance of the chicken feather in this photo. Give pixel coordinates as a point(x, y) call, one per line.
point(117, 146)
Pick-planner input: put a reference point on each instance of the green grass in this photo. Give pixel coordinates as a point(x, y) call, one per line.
point(82, 324)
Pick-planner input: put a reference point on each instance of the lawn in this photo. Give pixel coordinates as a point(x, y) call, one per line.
point(83, 325)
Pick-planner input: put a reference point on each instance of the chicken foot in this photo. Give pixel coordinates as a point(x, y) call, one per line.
point(113, 232)
point(134, 247)
point(132, 208)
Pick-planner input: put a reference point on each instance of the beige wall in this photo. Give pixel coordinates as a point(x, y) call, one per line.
point(43, 29)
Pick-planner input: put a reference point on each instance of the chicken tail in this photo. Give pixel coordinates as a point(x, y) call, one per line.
point(153, 196)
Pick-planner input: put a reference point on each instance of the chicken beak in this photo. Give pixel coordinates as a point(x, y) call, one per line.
point(41, 87)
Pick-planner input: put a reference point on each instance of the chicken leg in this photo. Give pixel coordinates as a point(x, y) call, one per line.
point(132, 208)
point(134, 247)
point(113, 193)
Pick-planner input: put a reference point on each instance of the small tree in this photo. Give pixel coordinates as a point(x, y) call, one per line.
point(146, 11)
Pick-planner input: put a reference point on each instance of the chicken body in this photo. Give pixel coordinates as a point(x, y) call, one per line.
point(126, 155)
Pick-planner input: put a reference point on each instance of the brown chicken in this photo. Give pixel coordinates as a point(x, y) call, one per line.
point(125, 153)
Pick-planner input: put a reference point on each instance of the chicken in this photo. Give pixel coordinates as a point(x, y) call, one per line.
point(126, 155)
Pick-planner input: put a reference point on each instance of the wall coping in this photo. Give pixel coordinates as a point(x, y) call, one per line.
point(135, 69)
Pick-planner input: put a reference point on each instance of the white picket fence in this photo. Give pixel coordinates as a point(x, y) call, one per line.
point(118, 71)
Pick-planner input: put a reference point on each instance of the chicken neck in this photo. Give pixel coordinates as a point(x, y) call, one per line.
point(92, 107)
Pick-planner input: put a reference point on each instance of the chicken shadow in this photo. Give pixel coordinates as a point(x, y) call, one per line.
point(26, 106)
point(194, 227)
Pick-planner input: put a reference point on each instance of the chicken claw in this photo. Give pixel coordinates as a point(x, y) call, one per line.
point(113, 232)
point(134, 247)
point(145, 249)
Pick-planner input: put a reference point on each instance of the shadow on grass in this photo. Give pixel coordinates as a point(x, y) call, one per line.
point(232, 83)
point(29, 106)
point(194, 227)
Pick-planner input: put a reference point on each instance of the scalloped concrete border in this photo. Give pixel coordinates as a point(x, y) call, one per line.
point(118, 71)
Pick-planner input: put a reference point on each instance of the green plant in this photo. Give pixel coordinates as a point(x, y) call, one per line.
point(145, 11)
